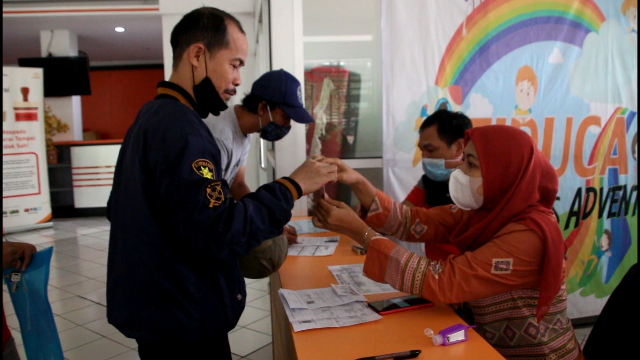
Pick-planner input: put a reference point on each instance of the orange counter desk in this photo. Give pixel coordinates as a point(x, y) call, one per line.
point(393, 333)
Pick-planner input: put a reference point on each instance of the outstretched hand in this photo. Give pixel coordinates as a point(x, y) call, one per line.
point(312, 174)
point(346, 174)
point(338, 217)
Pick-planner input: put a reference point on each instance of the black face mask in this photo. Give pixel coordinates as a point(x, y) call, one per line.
point(272, 131)
point(207, 98)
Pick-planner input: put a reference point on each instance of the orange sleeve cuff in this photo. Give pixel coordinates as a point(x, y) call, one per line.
point(294, 187)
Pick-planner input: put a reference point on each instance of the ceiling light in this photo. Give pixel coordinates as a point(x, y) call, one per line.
point(119, 29)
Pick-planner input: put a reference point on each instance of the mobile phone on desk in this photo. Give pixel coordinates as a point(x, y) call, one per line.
point(401, 303)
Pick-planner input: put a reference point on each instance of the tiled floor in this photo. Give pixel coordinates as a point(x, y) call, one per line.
point(77, 292)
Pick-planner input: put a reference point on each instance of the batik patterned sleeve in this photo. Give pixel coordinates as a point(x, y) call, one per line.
point(509, 262)
point(389, 263)
point(413, 224)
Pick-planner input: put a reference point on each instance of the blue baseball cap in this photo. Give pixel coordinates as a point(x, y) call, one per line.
point(284, 89)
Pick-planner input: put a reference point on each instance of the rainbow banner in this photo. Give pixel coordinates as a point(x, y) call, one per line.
point(564, 71)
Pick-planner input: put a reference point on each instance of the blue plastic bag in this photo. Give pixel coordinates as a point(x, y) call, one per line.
point(31, 303)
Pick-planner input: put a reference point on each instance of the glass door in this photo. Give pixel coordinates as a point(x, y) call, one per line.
point(266, 158)
point(343, 86)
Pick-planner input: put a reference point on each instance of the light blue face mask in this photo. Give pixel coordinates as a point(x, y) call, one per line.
point(435, 170)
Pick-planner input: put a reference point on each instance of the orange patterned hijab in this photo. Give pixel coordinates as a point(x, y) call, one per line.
point(520, 186)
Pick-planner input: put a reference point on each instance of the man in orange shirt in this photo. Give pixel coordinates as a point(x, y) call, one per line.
point(441, 142)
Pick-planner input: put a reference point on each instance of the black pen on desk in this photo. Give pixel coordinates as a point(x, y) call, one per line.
point(332, 240)
point(394, 356)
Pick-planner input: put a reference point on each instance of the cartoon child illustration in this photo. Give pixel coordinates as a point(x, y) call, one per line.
point(604, 254)
point(630, 10)
point(526, 89)
point(600, 259)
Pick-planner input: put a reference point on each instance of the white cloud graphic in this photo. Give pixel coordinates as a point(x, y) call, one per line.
point(607, 70)
point(556, 56)
point(479, 107)
point(405, 133)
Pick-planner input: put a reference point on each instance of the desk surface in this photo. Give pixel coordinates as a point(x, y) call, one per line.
point(393, 333)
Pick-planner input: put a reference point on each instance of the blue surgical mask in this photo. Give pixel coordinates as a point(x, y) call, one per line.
point(272, 131)
point(435, 170)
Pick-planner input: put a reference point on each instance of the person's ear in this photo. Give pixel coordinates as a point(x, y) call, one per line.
point(195, 54)
point(458, 146)
point(262, 108)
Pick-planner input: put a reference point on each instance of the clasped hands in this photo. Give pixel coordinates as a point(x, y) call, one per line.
point(335, 215)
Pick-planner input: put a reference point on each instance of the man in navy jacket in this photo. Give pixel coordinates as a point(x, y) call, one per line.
point(173, 280)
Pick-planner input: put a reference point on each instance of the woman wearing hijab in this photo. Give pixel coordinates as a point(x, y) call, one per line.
point(499, 249)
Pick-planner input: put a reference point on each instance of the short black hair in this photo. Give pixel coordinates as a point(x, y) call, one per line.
point(451, 125)
point(205, 24)
point(251, 102)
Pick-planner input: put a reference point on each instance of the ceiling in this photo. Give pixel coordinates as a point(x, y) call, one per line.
point(141, 43)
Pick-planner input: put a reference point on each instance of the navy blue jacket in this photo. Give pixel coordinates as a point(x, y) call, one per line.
point(176, 234)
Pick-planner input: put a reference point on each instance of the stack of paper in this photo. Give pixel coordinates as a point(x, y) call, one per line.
point(327, 307)
point(314, 246)
point(305, 227)
point(353, 276)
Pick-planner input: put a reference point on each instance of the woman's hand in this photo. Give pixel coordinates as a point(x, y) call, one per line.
point(346, 174)
point(361, 187)
point(339, 217)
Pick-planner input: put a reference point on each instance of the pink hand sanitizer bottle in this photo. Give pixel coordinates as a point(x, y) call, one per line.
point(452, 335)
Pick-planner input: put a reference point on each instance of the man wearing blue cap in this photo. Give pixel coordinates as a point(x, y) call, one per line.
point(275, 99)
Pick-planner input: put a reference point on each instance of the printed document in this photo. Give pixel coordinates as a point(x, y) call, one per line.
point(305, 227)
point(318, 298)
point(314, 246)
point(353, 276)
point(332, 316)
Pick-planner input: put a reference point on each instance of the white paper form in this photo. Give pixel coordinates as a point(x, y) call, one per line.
point(353, 276)
point(333, 316)
point(318, 298)
point(305, 227)
point(314, 246)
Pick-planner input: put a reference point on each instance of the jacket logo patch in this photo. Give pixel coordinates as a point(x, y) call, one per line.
point(204, 168)
point(215, 194)
point(501, 266)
